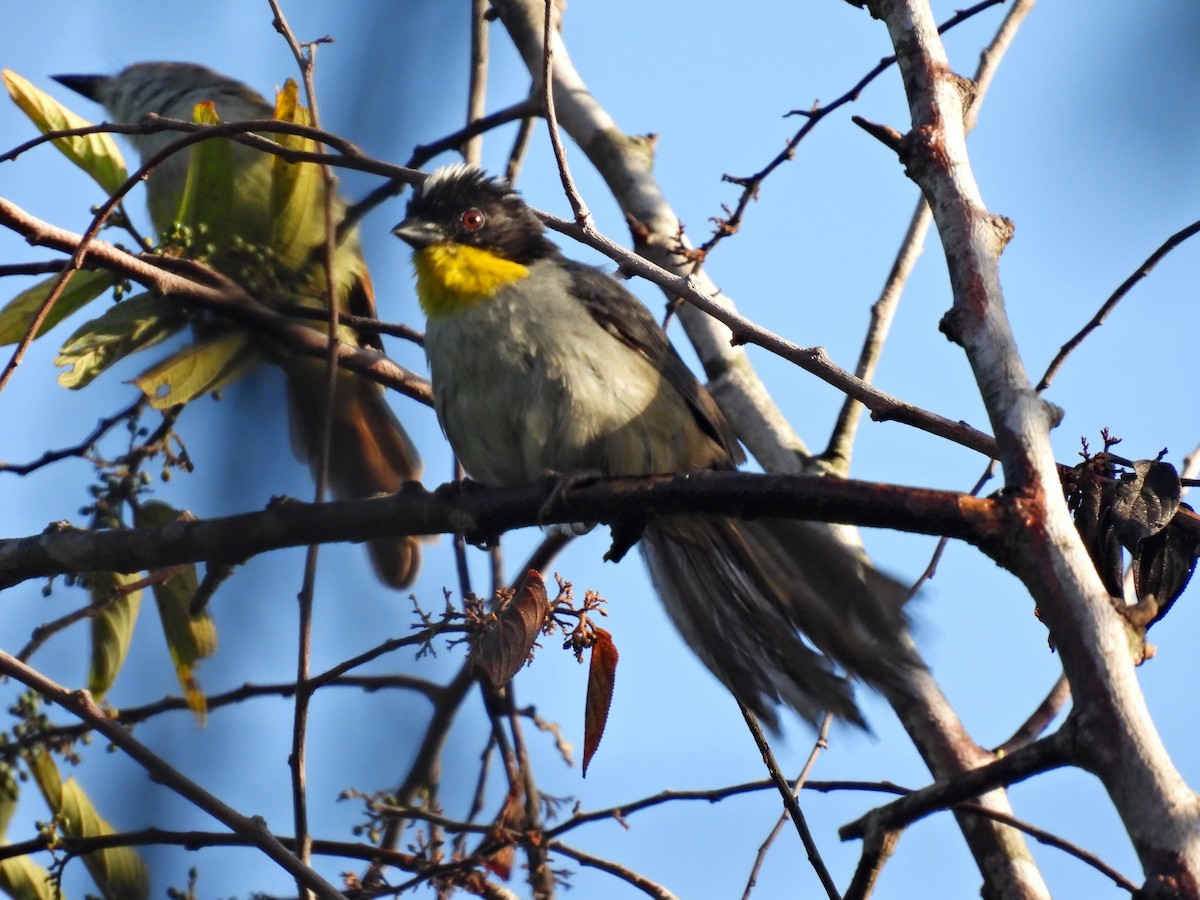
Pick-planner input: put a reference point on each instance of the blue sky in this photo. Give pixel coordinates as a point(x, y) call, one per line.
point(1086, 141)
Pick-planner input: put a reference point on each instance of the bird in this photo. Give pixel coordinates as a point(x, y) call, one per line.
point(370, 452)
point(543, 364)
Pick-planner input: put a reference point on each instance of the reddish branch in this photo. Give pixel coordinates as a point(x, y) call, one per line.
point(484, 513)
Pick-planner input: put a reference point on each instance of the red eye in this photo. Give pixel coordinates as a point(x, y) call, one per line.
point(473, 219)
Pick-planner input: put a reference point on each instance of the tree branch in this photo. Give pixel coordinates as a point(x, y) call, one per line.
point(482, 513)
point(251, 829)
point(1118, 740)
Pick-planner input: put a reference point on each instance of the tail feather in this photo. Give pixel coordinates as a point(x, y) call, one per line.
point(370, 453)
point(770, 605)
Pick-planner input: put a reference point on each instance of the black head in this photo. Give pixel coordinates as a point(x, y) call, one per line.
point(461, 204)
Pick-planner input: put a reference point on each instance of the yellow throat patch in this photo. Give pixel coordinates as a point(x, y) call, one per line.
point(451, 277)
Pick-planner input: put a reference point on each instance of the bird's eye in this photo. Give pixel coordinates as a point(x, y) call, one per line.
point(473, 219)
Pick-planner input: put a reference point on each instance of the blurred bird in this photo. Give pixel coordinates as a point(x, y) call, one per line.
point(281, 262)
point(540, 363)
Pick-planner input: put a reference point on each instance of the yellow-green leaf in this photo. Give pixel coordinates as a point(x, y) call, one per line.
point(45, 775)
point(112, 627)
point(297, 189)
point(189, 638)
point(119, 872)
point(96, 154)
point(23, 879)
point(126, 327)
point(9, 792)
point(198, 369)
point(85, 285)
point(208, 195)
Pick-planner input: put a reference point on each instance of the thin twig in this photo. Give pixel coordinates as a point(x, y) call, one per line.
point(477, 91)
point(47, 630)
point(520, 146)
point(133, 715)
point(540, 877)
point(1052, 840)
point(43, 267)
point(790, 803)
point(132, 411)
point(821, 743)
point(1039, 720)
point(1110, 304)
point(298, 758)
point(253, 829)
point(1043, 755)
point(637, 880)
point(838, 452)
point(583, 217)
point(751, 184)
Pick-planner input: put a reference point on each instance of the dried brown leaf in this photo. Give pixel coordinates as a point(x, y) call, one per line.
point(1141, 503)
point(1162, 567)
point(502, 651)
point(512, 818)
point(602, 674)
point(1101, 542)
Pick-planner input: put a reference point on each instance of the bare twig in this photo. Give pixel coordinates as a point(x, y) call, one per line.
point(520, 146)
point(1110, 304)
point(790, 803)
point(477, 92)
point(842, 440)
point(134, 715)
point(583, 217)
point(253, 829)
point(821, 743)
point(641, 882)
point(47, 630)
point(83, 447)
point(1039, 720)
point(751, 184)
point(1049, 753)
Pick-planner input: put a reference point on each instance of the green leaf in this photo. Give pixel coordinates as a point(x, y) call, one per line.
point(85, 285)
point(189, 638)
point(119, 872)
point(112, 628)
point(23, 879)
point(9, 792)
point(96, 154)
point(198, 369)
point(297, 190)
point(207, 203)
point(126, 327)
point(45, 775)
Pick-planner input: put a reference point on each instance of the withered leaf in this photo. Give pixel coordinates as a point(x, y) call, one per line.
point(602, 674)
point(1141, 503)
point(502, 651)
point(498, 850)
point(1162, 567)
point(1101, 541)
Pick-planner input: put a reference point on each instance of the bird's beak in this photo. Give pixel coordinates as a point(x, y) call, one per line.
point(89, 86)
point(419, 233)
